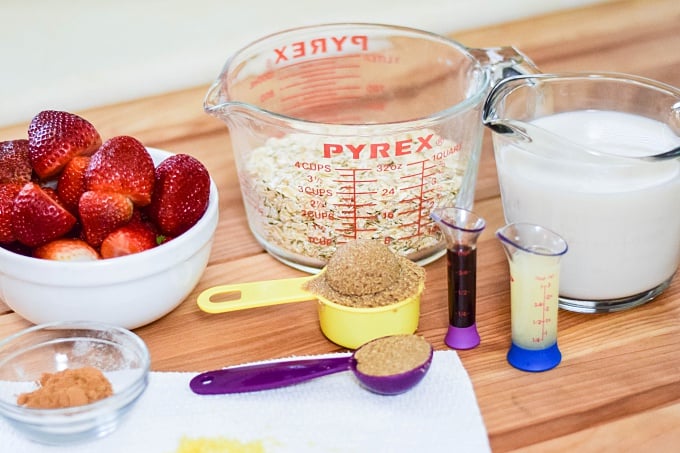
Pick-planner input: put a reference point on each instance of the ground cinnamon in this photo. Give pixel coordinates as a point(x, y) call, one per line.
point(67, 388)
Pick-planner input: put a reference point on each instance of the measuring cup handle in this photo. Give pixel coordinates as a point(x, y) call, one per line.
point(240, 296)
point(505, 62)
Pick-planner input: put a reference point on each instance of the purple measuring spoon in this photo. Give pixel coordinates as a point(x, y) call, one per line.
point(265, 376)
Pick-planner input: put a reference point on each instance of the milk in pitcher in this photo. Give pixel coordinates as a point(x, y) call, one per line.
point(620, 217)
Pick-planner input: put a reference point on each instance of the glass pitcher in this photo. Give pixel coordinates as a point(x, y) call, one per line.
point(574, 153)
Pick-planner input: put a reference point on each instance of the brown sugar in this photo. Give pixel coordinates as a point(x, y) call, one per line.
point(392, 355)
point(362, 267)
point(67, 388)
point(364, 274)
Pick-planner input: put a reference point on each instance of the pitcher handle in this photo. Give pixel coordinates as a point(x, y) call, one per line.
point(504, 62)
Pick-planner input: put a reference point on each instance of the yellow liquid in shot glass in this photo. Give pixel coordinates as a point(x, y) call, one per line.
point(534, 291)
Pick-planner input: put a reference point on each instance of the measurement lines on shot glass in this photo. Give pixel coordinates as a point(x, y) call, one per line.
point(545, 282)
point(355, 200)
point(420, 185)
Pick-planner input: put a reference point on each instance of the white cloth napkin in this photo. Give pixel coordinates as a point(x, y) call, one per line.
point(328, 414)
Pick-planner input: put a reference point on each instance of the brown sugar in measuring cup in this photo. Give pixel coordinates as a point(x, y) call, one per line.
point(365, 273)
point(392, 355)
point(362, 267)
point(390, 287)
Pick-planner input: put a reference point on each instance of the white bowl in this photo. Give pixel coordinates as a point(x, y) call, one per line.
point(128, 291)
point(49, 348)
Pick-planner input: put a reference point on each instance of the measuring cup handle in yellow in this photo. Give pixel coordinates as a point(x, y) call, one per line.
point(241, 296)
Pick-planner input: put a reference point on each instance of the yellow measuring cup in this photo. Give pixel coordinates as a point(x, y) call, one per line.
point(344, 325)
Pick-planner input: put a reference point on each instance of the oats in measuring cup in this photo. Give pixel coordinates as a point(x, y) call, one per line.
point(308, 194)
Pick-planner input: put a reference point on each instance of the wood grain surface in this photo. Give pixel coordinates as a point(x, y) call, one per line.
point(618, 386)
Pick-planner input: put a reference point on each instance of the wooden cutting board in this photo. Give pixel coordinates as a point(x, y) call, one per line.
point(618, 387)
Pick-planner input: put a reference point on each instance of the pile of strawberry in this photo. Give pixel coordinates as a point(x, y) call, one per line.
point(65, 195)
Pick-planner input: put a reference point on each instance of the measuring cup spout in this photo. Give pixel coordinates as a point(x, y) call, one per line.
point(461, 228)
point(214, 103)
point(218, 104)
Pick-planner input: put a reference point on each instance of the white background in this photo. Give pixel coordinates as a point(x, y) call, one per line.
point(76, 54)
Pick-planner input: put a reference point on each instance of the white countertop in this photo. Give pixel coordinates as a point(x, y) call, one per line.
point(76, 54)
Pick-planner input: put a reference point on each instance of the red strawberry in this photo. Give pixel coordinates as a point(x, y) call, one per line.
point(71, 184)
point(181, 194)
point(39, 218)
point(101, 213)
point(66, 250)
point(132, 238)
point(8, 193)
point(14, 163)
point(55, 137)
point(122, 165)
point(52, 192)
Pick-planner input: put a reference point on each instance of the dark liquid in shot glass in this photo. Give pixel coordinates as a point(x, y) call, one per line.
point(462, 278)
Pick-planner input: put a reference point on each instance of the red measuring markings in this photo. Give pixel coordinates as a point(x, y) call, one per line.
point(421, 198)
point(351, 208)
point(325, 69)
point(357, 194)
point(325, 82)
point(543, 306)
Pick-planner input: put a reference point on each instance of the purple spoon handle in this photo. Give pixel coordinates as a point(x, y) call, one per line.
point(250, 378)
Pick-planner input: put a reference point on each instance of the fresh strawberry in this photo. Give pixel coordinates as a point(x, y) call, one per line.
point(8, 192)
point(101, 213)
point(71, 184)
point(181, 194)
point(52, 192)
point(55, 137)
point(38, 218)
point(15, 166)
point(66, 250)
point(122, 165)
point(134, 237)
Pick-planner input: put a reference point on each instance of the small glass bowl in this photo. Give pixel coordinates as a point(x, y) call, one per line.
point(47, 348)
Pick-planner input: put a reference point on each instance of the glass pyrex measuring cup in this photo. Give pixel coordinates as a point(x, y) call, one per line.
point(348, 131)
point(554, 136)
